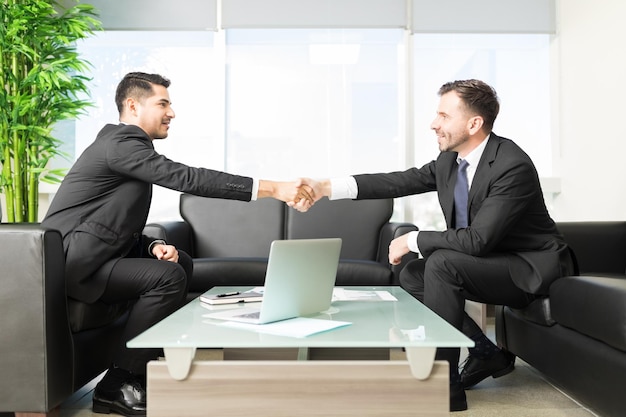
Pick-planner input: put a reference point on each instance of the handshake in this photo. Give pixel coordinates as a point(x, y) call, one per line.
point(300, 194)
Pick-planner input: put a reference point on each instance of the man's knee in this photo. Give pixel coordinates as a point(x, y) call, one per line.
point(439, 259)
point(443, 264)
point(173, 277)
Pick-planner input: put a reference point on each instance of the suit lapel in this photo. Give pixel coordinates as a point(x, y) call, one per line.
point(480, 183)
point(483, 172)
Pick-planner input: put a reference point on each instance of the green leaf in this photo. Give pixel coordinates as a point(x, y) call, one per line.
point(43, 78)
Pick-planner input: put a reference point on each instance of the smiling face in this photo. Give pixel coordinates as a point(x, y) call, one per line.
point(153, 113)
point(454, 125)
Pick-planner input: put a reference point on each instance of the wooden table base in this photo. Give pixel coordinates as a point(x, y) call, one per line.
point(298, 389)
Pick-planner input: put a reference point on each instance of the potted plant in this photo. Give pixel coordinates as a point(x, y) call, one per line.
point(44, 83)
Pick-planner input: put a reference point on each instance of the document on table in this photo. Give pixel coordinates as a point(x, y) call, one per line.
point(234, 297)
point(296, 327)
point(342, 294)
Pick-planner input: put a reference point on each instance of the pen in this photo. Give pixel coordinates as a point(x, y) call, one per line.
point(228, 294)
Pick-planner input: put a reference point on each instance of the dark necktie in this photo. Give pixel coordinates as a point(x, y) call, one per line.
point(461, 190)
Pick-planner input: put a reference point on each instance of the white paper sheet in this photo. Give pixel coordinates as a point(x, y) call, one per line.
point(342, 294)
point(296, 327)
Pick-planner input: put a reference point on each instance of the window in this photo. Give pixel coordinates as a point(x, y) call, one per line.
point(284, 103)
point(297, 102)
point(314, 103)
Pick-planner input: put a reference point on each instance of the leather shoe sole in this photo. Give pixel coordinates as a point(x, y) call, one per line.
point(475, 369)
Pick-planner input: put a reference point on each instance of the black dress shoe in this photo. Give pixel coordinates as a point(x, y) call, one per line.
point(475, 369)
point(458, 402)
point(128, 400)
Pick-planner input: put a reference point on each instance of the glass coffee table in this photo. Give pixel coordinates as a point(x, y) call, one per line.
point(402, 323)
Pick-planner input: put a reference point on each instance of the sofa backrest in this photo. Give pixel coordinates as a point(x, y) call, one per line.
point(229, 228)
point(357, 222)
point(599, 246)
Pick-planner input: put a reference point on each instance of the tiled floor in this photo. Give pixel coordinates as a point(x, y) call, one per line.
point(522, 393)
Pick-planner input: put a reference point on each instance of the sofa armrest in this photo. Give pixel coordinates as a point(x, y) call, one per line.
point(177, 233)
point(389, 232)
point(36, 344)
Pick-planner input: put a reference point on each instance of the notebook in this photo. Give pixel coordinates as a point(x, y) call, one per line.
point(299, 281)
point(231, 298)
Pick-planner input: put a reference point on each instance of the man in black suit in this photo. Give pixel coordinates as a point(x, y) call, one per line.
point(101, 209)
point(501, 248)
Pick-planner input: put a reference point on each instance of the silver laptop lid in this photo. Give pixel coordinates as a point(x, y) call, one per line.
point(300, 277)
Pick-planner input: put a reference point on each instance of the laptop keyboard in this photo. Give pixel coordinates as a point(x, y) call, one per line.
point(253, 315)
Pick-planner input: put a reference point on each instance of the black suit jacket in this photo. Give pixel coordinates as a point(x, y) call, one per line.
point(507, 213)
point(103, 202)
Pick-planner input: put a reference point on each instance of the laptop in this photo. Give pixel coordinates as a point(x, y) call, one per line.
point(299, 281)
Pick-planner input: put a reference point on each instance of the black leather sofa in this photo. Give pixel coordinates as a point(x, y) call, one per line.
point(44, 355)
point(576, 336)
point(229, 240)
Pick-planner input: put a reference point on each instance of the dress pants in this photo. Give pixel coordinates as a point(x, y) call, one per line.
point(157, 289)
point(445, 279)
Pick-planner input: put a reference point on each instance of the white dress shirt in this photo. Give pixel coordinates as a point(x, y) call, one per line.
point(255, 189)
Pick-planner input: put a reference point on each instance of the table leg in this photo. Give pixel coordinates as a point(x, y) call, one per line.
point(421, 360)
point(179, 361)
point(303, 354)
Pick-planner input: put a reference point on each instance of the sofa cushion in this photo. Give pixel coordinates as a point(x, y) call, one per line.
point(212, 272)
point(593, 306)
point(232, 228)
point(357, 222)
point(358, 272)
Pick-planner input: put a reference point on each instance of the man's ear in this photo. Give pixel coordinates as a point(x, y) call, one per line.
point(130, 106)
point(475, 124)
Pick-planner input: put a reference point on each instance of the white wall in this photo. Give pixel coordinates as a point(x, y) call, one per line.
point(592, 117)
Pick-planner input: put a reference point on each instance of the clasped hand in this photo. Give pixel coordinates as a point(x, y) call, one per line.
point(309, 191)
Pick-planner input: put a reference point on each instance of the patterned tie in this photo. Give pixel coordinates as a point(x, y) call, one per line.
point(461, 190)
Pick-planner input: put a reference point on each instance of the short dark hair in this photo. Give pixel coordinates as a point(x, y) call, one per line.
point(478, 97)
point(137, 85)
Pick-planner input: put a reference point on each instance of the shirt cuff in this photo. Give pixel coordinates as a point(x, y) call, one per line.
point(412, 242)
point(255, 189)
point(345, 187)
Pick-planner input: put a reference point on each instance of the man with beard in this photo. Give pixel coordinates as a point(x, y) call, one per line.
point(500, 246)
